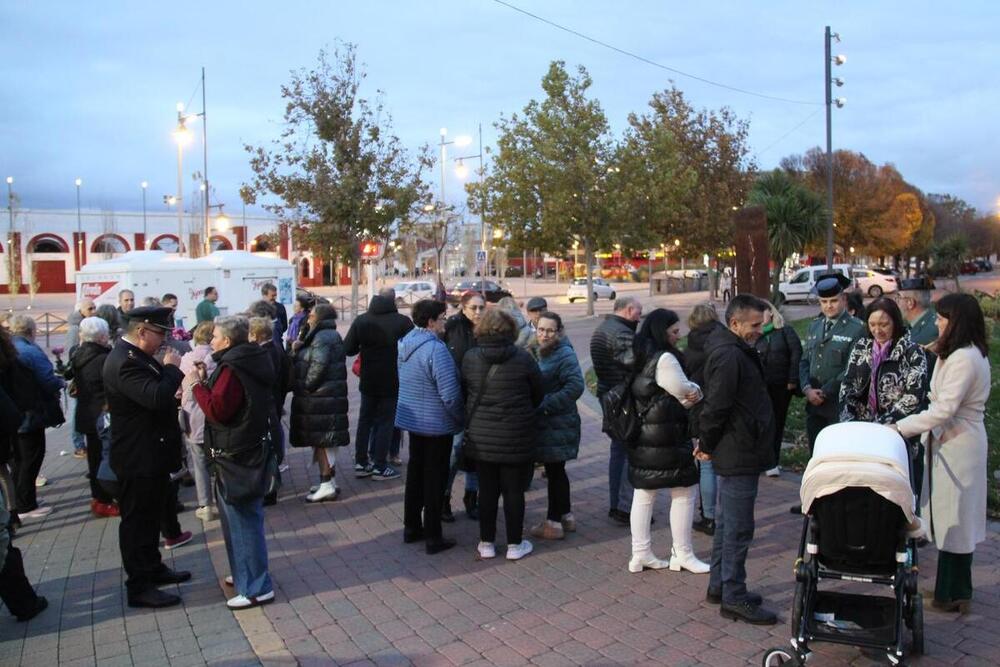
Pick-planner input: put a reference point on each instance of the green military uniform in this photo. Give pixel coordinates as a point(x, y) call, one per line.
point(923, 330)
point(823, 364)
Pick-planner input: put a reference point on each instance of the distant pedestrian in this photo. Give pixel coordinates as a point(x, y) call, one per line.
point(84, 308)
point(270, 294)
point(297, 326)
point(126, 302)
point(459, 337)
point(207, 311)
point(109, 314)
point(262, 334)
point(558, 423)
point(240, 419)
point(524, 328)
point(194, 418)
point(267, 310)
point(702, 323)
point(613, 355)
point(374, 336)
point(430, 407)
point(736, 426)
point(663, 454)
point(726, 285)
point(503, 391)
point(780, 351)
point(319, 399)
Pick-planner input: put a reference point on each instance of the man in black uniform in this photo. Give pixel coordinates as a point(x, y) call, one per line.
point(145, 441)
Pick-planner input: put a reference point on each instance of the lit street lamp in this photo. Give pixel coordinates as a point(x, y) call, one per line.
point(183, 138)
point(79, 225)
point(830, 81)
point(144, 185)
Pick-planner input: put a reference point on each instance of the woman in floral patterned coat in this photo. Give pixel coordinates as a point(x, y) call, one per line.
point(886, 376)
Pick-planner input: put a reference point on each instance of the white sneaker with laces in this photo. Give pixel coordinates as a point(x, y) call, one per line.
point(205, 513)
point(41, 481)
point(486, 550)
point(243, 602)
point(519, 551)
point(773, 472)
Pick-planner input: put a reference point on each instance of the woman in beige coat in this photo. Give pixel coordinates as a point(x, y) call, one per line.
point(954, 498)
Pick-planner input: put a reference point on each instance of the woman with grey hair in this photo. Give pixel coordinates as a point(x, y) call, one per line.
point(86, 366)
point(240, 421)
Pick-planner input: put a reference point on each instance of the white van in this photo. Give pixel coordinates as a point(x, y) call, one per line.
point(800, 286)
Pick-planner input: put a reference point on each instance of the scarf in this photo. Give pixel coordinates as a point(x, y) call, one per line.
point(879, 353)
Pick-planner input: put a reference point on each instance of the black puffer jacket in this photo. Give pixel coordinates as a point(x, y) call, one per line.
point(780, 352)
point(611, 351)
point(88, 366)
point(737, 422)
point(662, 456)
point(458, 337)
point(319, 397)
point(694, 363)
point(374, 335)
point(502, 429)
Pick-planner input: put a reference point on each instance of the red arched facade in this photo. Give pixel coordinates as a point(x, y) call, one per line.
point(102, 237)
point(52, 238)
point(163, 237)
point(221, 243)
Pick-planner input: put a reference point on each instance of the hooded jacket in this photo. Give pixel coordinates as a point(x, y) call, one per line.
point(558, 417)
point(430, 390)
point(49, 384)
point(256, 417)
point(502, 428)
point(319, 396)
point(736, 424)
point(88, 366)
point(374, 335)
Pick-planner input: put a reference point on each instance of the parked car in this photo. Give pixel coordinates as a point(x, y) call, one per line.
point(800, 286)
point(874, 283)
point(969, 268)
point(578, 290)
point(885, 271)
point(408, 293)
point(984, 265)
point(513, 272)
point(493, 291)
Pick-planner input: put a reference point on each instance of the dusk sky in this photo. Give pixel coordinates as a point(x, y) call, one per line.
point(89, 90)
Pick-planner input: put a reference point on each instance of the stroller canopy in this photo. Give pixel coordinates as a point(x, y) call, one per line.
point(859, 454)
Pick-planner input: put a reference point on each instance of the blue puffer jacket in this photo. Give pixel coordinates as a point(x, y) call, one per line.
point(558, 419)
point(430, 391)
point(49, 384)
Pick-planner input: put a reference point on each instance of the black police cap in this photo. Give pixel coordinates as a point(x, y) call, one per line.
point(831, 284)
point(154, 316)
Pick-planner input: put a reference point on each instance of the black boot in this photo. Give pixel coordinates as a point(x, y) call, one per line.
point(446, 514)
point(471, 501)
point(706, 526)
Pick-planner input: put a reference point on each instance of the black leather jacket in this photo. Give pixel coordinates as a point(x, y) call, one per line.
point(611, 351)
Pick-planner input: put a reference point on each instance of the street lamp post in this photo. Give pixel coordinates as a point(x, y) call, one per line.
point(829, 61)
point(10, 240)
point(183, 137)
point(144, 185)
point(79, 224)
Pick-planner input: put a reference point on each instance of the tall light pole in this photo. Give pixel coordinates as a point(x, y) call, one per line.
point(10, 240)
point(829, 80)
point(145, 240)
point(204, 176)
point(183, 137)
point(79, 224)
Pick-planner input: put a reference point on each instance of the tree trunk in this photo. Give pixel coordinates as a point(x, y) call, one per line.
point(590, 276)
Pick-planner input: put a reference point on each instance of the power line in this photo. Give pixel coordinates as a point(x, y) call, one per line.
point(782, 137)
point(651, 62)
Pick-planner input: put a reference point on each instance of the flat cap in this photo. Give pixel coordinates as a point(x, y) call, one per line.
point(536, 303)
point(831, 284)
point(155, 316)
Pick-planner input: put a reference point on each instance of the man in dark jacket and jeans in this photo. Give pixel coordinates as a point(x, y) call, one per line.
point(375, 335)
point(736, 427)
point(613, 358)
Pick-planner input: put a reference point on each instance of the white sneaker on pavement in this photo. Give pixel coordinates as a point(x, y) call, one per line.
point(486, 550)
point(773, 472)
point(326, 491)
point(243, 602)
point(519, 551)
point(37, 513)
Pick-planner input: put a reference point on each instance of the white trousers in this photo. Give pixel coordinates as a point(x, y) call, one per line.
point(682, 504)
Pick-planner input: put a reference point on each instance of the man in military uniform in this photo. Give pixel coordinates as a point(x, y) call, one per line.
point(145, 444)
point(824, 357)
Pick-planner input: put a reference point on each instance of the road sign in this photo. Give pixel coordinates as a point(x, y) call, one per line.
point(481, 257)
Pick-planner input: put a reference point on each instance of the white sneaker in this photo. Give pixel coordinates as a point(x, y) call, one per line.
point(519, 551)
point(37, 513)
point(243, 602)
point(229, 580)
point(687, 561)
point(41, 481)
point(205, 513)
point(773, 472)
point(326, 491)
point(486, 550)
point(647, 562)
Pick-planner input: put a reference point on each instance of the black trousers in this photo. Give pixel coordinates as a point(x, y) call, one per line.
point(29, 452)
point(141, 502)
point(97, 492)
point(559, 505)
point(426, 475)
point(15, 589)
point(780, 398)
point(170, 527)
point(509, 481)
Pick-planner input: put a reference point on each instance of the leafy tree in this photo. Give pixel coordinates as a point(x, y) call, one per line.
point(795, 217)
point(948, 256)
point(336, 173)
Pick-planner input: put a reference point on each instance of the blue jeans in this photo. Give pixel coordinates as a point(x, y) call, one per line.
point(243, 530)
point(709, 489)
point(619, 488)
point(733, 533)
point(471, 478)
point(376, 420)
point(78, 438)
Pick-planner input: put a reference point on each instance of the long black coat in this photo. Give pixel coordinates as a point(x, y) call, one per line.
point(662, 455)
point(319, 397)
point(780, 351)
point(695, 357)
point(375, 335)
point(145, 434)
point(88, 366)
point(502, 429)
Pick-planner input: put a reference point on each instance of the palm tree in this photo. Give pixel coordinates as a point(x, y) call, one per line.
point(795, 216)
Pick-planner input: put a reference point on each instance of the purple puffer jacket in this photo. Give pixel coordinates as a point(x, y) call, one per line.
point(196, 418)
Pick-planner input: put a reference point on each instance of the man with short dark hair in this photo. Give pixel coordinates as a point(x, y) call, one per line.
point(270, 294)
point(126, 302)
point(614, 360)
point(736, 427)
point(207, 311)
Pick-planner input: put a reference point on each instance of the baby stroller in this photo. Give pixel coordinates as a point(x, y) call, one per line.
point(859, 525)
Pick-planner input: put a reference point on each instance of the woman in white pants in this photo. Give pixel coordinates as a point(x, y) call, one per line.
point(663, 456)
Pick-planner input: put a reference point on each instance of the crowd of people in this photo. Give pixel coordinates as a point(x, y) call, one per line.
point(489, 392)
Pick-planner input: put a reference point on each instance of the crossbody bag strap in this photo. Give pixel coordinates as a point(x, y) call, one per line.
point(487, 376)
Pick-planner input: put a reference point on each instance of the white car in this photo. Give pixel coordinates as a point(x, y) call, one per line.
point(873, 283)
point(578, 290)
point(408, 294)
point(800, 286)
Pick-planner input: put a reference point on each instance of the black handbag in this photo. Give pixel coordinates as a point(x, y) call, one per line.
point(622, 419)
point(242, 476)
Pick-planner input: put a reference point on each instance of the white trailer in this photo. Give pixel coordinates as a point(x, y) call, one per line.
point(237, 275)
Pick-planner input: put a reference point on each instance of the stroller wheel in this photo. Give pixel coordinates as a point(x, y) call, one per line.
point(779, 656)
point(917, 625)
